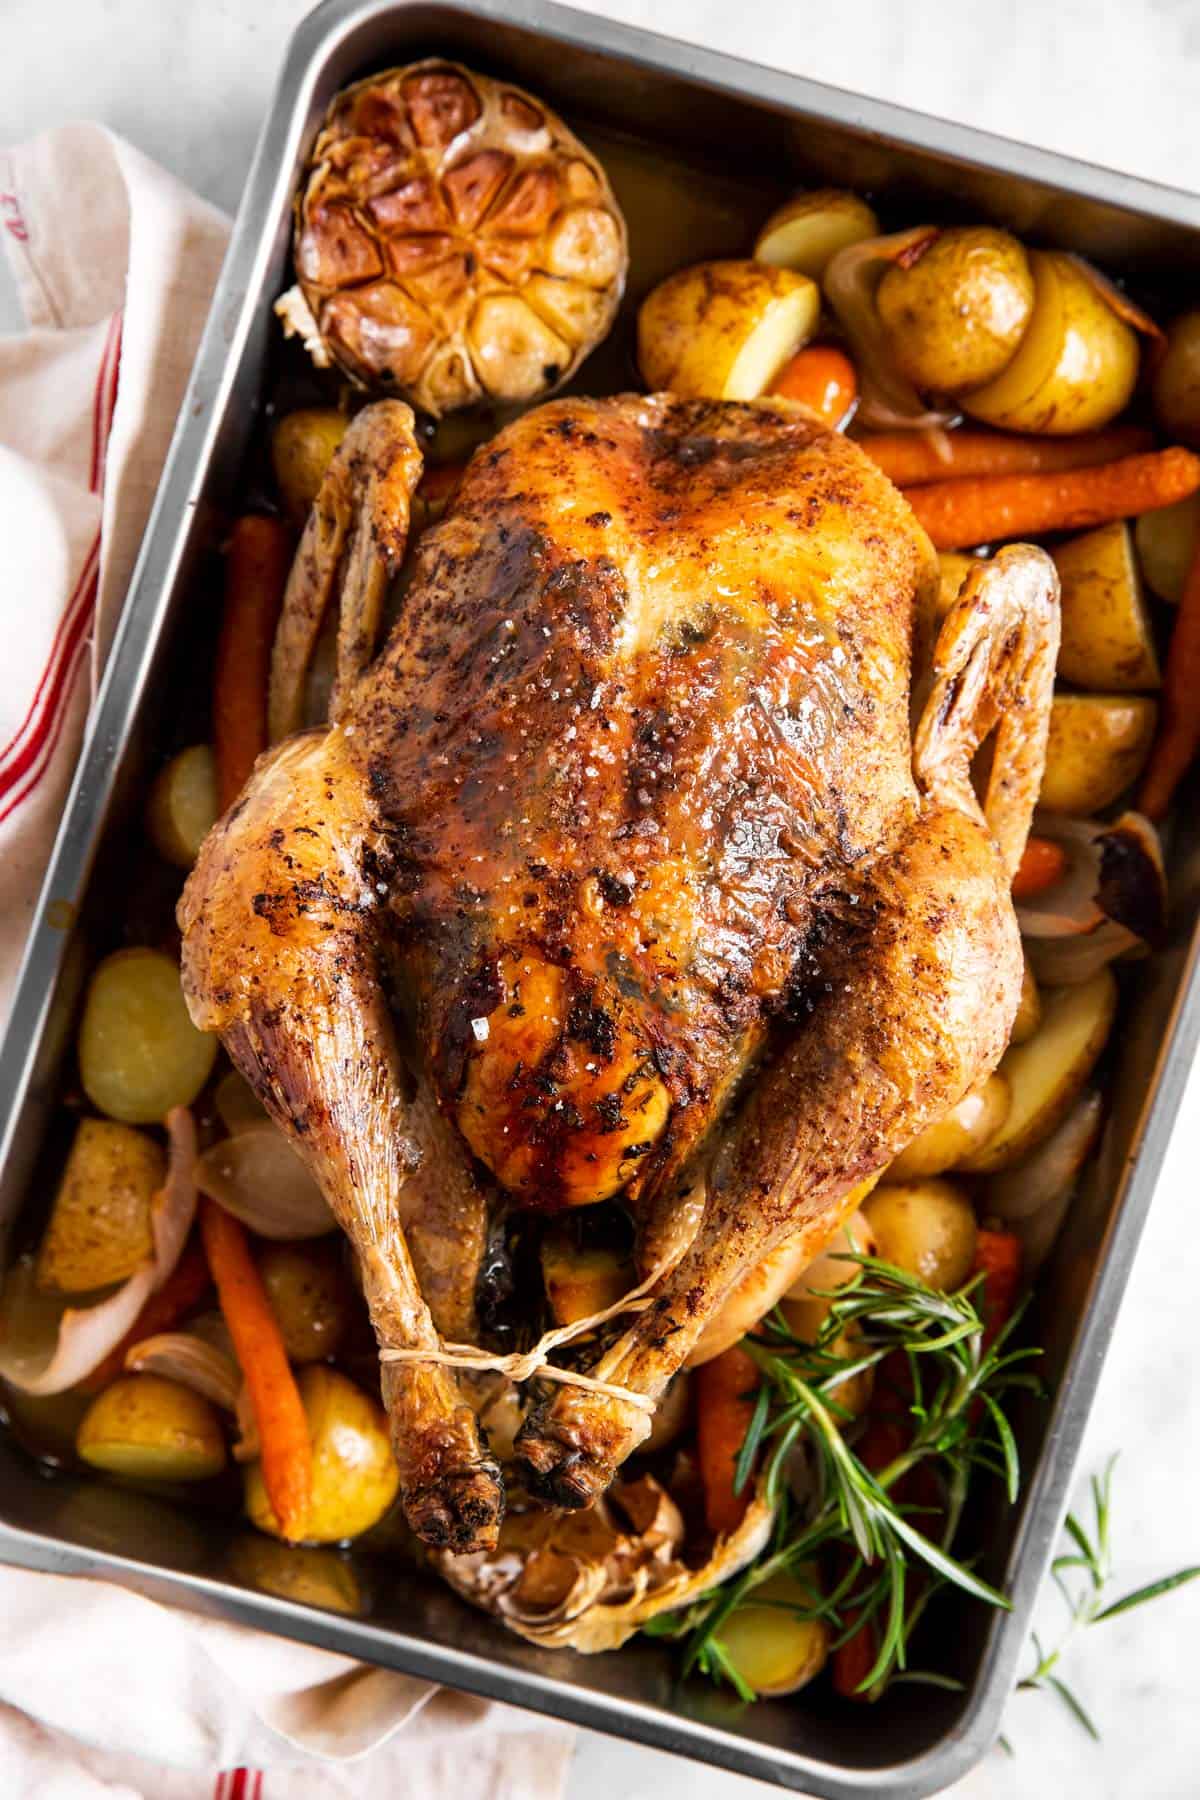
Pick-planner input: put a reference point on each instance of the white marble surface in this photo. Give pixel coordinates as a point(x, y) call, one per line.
point(1113, 80)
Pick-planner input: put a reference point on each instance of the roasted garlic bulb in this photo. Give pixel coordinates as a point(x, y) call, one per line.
point(454, 241)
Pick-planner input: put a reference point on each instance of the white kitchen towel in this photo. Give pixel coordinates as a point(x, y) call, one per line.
point(103, 1692)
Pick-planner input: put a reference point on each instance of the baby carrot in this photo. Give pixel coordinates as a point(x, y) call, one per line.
point(1179, 734)
point(998, 1260)
point(821, 378)
point(725, 1390)
point(1042, 863)
point(911, 458)
point(257, 561)
point(258, 1345)
point(981, 510)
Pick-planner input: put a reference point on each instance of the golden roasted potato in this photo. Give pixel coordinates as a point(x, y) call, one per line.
point(302, 447)
point(99, 1230)
point(722, 330)
point(953, 569)
point(139, 1053)
point(804, 233)
point(772, 1648)
point(579, 1281)
point(151, 1429)
point(1077, 362)
point(1029, 1008)
point(1107, 641)
point(354, 1476)
point(182, 808)
point(966, 1127)
point(1166, 543)
point(1047, 1072)
point(310, 1296)
point(1177, 381)
point(955, 316)
point(1098, 745)
point(926, 1228)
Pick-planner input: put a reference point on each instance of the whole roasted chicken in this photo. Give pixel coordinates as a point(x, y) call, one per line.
point(645, 861)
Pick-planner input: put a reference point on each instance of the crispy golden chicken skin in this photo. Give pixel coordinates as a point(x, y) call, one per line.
point(654, 819)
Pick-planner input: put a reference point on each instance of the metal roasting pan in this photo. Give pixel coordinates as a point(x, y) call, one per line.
point(699, 147)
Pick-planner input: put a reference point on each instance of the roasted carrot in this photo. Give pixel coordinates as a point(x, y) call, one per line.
point(1043, 862)
point(911, 458)
point(822, 378)
point(852, 1660)
point(998, 1260)
point(183, 1289)
point(258, 1345)
point(725, 1390)
point(257, 561)
point(1179, 731)
point(981, 510)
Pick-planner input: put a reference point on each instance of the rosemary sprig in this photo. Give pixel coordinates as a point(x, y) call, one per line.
point(863, 1524)
point(1089, 1566)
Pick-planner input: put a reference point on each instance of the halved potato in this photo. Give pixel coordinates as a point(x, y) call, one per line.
point(1076, 365)
point(926, 1228)
point(953, 569)
point(1107, 641)
point(1029, 1008)
point(723, 330)
point(182, 808)
point(1166, 543)
point(773, 1650)
point(139, 1053)
point(966, 1127)
point(1047, 1073)
point(151, 1429)
point(1098, 745)
point(99, 1231)
point(804, 233)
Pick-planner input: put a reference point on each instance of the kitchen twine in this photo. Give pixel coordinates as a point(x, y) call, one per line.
point(523, 1365)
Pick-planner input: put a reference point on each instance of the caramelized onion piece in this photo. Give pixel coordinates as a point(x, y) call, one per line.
point(888, 400)
point(258, 1177)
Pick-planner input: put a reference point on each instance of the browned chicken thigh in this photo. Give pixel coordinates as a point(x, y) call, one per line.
point(655, 815)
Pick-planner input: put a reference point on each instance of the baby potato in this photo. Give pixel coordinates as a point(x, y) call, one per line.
point(723, 330)
point(99, 1231)
point(806, 232)
point(310, 1297)
point(953, 569)
point(1076, 365)
point(139, 1053)
point(926, 1228)
point(1177, 381)
point(1107, 641)
point(151, 1429)
point(354, 1475)
point(1046, 1073)
point(182, 808)
point(966, 1127)
point(302, 447)
point(955, 316)
point(773, 1649)
point(1098, 745)
point(1166, 543)
point(1029, 1008)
